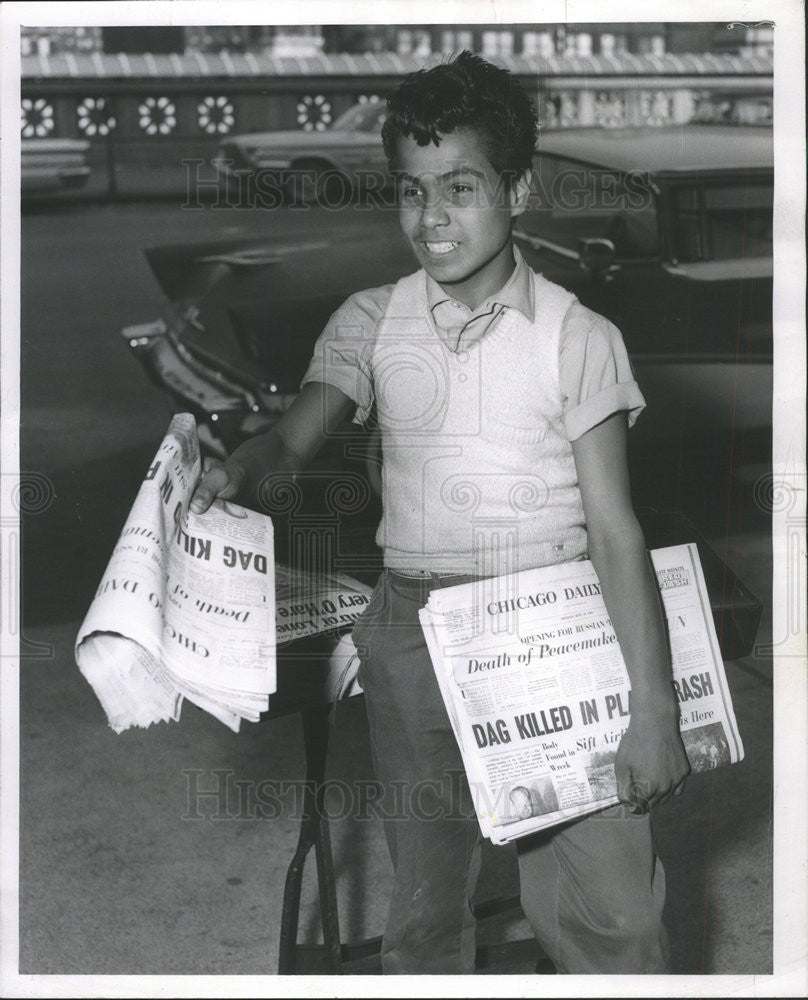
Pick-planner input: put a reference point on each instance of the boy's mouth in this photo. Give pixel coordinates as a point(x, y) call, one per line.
point(439, 249)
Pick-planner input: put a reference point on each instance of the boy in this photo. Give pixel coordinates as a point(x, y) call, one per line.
point(503, 406)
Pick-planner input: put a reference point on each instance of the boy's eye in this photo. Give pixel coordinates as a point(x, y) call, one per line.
point(461, 192)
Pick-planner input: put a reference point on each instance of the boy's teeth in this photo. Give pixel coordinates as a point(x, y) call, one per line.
point(440, 247)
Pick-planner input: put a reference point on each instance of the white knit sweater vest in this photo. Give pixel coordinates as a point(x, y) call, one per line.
point(478, 473)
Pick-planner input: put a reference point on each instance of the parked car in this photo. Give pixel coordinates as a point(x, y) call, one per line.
point(327, 166)
point(49, 165)
point(668, 232)
point(665, 231)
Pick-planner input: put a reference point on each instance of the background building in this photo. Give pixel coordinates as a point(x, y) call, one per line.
point(654, 38)
point(148, 101)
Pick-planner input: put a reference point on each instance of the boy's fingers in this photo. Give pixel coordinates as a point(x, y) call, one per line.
point(639, 803)
point(633, 794)
point(215, 483)
point(625, 786)
point(662, 795)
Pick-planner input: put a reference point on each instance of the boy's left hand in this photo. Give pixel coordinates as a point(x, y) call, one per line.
point(651, 763)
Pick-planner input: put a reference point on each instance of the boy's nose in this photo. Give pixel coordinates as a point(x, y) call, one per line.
point(434, 213)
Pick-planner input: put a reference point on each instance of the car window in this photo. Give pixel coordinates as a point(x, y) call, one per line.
point(722, 221)
point(362, 118)
point(572, 200)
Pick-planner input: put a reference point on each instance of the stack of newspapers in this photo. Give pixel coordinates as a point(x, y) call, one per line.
point(538, 695)
point(193, 606)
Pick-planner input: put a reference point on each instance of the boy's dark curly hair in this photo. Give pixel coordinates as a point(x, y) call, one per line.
point(465, 93)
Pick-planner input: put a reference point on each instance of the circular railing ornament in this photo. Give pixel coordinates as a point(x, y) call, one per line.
point(37, 118)
point(216, 115)
point(93, 118)
point(158, 115)
point(314, 113)
point(610, 109)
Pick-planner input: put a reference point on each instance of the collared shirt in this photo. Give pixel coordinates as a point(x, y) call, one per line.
point(459, 327)
point(595, 374)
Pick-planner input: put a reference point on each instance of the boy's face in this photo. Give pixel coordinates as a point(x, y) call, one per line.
point(456, 213)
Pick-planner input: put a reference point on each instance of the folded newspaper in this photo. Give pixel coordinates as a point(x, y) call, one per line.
point(192, 606)
point(538, 694)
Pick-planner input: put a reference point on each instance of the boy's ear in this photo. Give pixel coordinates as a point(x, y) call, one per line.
point(520, 193)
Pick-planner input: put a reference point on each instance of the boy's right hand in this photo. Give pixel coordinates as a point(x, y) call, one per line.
point(220, 480)
point(286, 447)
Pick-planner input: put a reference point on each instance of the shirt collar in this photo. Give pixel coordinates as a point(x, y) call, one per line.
point(517, 292)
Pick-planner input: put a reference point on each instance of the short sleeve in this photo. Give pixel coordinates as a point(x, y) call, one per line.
point(595, 373)
point(342, 353)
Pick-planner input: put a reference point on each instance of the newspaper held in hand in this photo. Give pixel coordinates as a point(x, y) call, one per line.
point(538, 694)
point(186, 606)
point(193, 605)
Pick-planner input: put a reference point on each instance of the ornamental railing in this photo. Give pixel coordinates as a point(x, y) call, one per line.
point(145, 116)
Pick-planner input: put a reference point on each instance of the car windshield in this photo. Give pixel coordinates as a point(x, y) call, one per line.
point(571, 201)
point(724, 221)
point(362, 117)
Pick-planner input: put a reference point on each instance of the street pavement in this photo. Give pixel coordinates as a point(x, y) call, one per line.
point(124, 868)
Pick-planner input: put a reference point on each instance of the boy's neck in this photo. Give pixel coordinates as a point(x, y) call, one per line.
point(476, 288)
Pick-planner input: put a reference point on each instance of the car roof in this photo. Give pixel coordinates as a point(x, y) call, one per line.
point(665, 149)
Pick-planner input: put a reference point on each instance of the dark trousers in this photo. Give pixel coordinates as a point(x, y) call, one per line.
point(592, 890)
